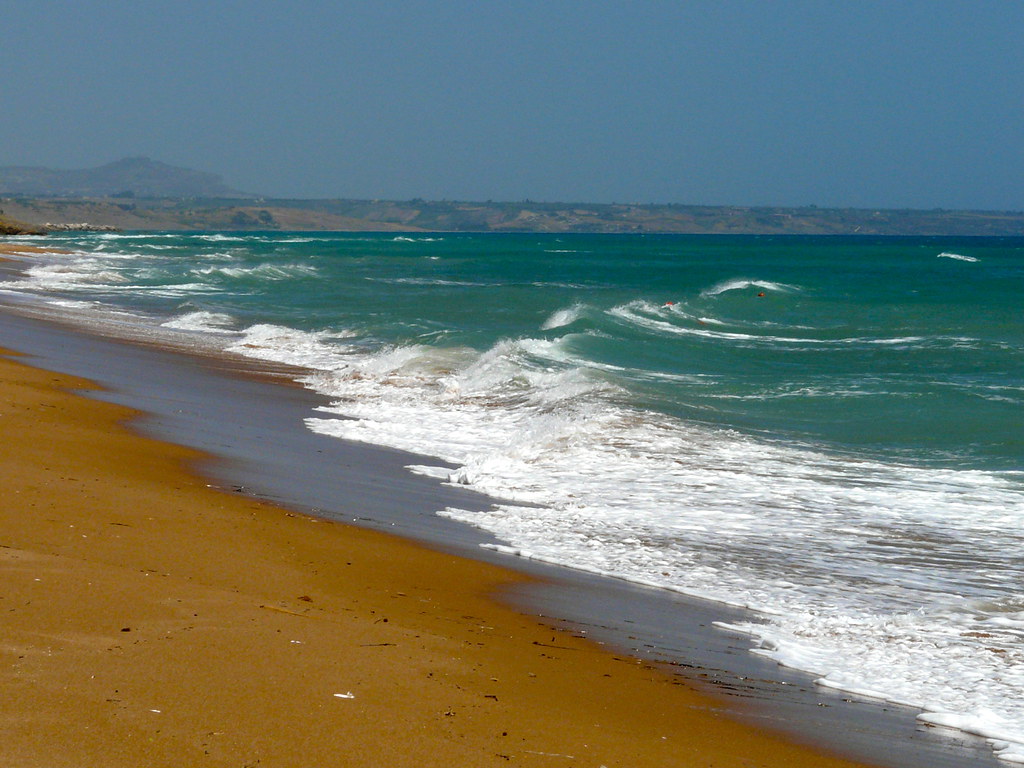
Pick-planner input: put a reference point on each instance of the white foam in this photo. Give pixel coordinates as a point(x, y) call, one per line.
point(68, 276)
point(644, 314)
point(676, 320)
point(563, 317)
point(127, 236)
point(438, 473)
point(266, 271)
point(861, 565)
point(956, 256)
point(202, 321)
point(422, 281)
point(219, 238)
point(266, 341)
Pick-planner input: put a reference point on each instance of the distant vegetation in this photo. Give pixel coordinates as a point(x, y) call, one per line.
point(142, 194)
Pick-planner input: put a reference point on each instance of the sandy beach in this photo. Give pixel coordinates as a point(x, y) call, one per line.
point(23, 248)
point(151, 619)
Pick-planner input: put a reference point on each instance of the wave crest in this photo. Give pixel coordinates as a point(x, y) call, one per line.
point(563, 317)
point(741, 283)
point(266, 271)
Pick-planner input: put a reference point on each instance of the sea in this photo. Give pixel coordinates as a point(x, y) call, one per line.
point(828, 431)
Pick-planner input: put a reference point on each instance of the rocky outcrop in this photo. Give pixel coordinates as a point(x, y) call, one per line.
point(15, 227)
point(80, 227)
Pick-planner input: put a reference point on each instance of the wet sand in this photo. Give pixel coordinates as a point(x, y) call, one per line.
point(149, 619)
point(14, 249)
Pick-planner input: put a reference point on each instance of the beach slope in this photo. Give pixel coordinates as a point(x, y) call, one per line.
point(149, 619)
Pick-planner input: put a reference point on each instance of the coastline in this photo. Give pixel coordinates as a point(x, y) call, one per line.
point(152, 618)
point(163, 394)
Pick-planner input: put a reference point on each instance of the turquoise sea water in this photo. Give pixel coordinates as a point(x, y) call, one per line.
point(828, 430)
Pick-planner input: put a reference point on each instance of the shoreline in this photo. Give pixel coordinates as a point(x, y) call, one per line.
point(152, 618)
point(766, 695)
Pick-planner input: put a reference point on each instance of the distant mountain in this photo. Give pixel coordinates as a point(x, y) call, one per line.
point(130, 177)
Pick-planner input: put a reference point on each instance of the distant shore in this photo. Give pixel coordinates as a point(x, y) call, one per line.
point(259, 214)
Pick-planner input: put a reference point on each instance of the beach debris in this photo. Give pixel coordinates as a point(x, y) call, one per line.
point(346, 695)
point(549, 754)
point(278, 609)
point(552, 645)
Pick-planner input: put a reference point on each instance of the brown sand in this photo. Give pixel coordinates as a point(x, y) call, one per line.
point(148, 620)
point(20, 248)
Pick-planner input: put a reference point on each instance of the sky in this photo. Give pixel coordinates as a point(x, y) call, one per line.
point(903, 103)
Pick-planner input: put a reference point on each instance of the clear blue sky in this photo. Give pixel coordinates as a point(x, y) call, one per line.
point(916, 103)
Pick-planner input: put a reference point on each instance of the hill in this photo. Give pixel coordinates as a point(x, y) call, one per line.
point(452, 216)
point(129, 177)
point(137, 193)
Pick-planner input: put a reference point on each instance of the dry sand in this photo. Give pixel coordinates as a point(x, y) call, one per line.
point(149, 620)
